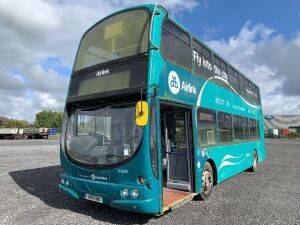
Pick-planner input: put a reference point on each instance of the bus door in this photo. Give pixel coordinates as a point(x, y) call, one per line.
point(177, 149)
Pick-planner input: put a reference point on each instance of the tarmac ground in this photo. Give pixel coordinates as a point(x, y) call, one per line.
point(29, 178)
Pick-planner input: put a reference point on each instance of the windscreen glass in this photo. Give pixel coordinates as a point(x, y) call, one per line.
point(124, 34)
point(103, 136)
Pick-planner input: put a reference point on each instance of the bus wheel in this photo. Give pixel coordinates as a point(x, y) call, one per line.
point(255, 162)
point(207, 181)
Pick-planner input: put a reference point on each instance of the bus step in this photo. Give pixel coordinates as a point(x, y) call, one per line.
point(173, 199)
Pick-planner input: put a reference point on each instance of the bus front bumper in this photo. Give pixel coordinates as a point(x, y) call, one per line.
point(114, 199)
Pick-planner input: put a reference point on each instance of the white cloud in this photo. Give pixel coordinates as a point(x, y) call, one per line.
point(34, 30)
point(269, 60)
point(48, 101)
point(29, 17)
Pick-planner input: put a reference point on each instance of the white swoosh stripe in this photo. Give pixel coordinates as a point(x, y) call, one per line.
point(225, 81)
point(228, 163)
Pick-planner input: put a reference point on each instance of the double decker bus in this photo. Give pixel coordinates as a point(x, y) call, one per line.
point(153, 116)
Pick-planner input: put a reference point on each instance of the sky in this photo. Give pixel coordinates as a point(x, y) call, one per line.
point(39, 40)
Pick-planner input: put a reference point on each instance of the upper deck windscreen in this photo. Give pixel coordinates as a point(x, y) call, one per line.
point(124, 34)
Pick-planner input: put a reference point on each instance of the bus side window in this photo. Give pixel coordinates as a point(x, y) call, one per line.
point(202, 60)
point(220, 72)
point(175, 45)
point(242, 85)
point(257, 129)
point(246, 128)
point(238, 128)
point(253, 129)
point(233, 77)
point(249, 91)
point(206, 127)
point(225, 128)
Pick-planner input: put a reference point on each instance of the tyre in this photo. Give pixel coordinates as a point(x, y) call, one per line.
point(207, 181)
point(255, 163)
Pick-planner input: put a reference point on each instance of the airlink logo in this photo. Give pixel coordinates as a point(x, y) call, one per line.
point(102, 72)
point(175, 86)
point(174, 82)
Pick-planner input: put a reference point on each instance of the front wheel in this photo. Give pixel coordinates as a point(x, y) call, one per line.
point(207, 181)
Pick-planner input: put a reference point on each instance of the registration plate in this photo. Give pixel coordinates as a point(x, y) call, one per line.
point(94, 198)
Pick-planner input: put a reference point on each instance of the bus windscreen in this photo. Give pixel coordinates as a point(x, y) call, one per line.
point(121, 35)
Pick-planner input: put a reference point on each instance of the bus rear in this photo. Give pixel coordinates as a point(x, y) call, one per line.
point(104, 151)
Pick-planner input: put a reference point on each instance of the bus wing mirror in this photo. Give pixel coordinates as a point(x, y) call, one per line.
point(141, 113)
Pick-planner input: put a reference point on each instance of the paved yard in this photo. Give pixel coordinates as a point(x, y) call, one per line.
point(29, 177)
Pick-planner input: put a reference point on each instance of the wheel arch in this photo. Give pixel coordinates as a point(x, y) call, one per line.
point(215, 173)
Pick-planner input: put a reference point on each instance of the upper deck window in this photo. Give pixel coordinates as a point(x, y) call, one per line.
point(234, 79)
point(175, 45)
point(220, 72)
point(203, 60)
point(124, 34)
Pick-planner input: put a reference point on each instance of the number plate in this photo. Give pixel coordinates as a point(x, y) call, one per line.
point(94, 198)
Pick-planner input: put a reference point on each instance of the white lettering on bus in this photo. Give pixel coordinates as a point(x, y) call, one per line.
point(197, 58)
point(207, 64)
point(219, 101)
point(102, 72)
point(201, 61)
point(220, 72)
point(188, 87)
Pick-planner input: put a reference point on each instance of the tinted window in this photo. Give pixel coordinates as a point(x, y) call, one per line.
point(242, 85)
point(119, 77)
point(249, 90)
point(253, 127)
point(206, 127)
point(175, 45)
point(124, 34)
point(256, 95)
point(238, 128)
point(233, 77)
point(246, 128)
point(202, 60)
point(220, 71)
point(225, 127)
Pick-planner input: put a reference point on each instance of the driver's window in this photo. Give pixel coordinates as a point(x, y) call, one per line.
point(103, 127)
point(85, 125)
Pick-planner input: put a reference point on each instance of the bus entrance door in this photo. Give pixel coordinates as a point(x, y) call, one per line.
point(177, 150)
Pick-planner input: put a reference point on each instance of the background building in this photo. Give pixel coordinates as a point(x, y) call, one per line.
point(282, 124)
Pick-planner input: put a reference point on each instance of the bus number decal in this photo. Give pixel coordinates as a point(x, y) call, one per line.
point(123, 171)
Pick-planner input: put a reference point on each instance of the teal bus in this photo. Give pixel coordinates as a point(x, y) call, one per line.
point(153, 116)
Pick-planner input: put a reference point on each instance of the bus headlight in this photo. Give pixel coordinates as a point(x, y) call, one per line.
point(62, 180)
point(67, 182)
point(135, 193)
point(125, 192)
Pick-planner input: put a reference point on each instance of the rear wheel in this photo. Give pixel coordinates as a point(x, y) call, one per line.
point(255, 162)
point(207, 181)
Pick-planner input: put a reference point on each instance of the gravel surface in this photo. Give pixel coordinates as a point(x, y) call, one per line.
point(29, 177)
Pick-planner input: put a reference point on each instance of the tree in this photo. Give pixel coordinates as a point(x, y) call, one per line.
point(48, 119)
point(11, 123)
